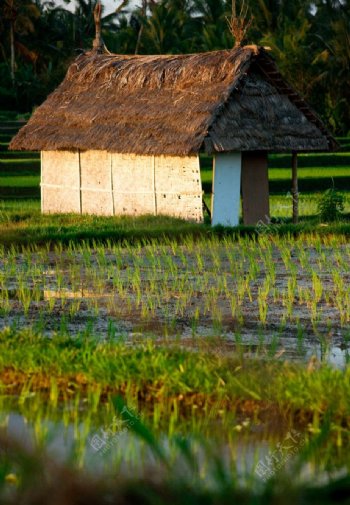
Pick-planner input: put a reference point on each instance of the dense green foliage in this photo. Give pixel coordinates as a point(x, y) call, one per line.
point(310, 40)
point(331, 205)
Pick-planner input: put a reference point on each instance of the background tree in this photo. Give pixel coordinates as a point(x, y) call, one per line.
point(310, 40)
point(18, 19)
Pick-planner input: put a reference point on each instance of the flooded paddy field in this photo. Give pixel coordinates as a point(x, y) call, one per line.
point(221, 357)
point(289, 297)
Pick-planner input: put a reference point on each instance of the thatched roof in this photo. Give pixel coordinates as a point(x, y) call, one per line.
point(221, 101)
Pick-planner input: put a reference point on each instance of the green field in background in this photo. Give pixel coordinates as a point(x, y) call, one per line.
point(20, 174)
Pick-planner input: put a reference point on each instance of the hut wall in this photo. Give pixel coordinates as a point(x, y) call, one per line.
point(133, 184)
point(60, 181)
point(101, 183)
point(96, 183)
point(255, 188)
point(226, 189)
point(178, 187)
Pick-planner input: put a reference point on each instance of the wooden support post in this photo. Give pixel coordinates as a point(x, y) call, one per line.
point(295, 193)
point(255, 188)
point(98, 44)
point(112, 189)
point(42, 181)
point(205, 206)
point(154, 185)
point(80, 190)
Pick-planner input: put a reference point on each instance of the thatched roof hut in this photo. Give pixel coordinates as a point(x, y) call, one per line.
point(219, 101)
point(167, 108)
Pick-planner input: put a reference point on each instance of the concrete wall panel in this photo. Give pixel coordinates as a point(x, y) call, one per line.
point(60, 200)
point(60, 181)
point(96, 183)
point(99, 203)
point(179, 205)
point(95, 169)
point(178, 187)
point(226, 189)
point(132, 174)
point(178, 174)
point(133, 184)
point(60, 168)
point(101, 183)
point(133, 204)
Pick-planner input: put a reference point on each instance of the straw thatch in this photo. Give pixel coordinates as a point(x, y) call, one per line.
point(175, 105)
point(259, 118)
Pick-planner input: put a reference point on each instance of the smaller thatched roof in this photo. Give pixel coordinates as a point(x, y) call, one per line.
point(177, 105)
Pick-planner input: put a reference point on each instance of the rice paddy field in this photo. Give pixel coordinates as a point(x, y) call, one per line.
point(152, 361)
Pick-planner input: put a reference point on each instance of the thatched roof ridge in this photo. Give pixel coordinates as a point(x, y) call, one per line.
point(149, 104)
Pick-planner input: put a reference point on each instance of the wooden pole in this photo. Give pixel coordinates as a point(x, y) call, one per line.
point(12, 45)
point(98, 44)
point(295, 192)
point(139, 35)
point(80, 192)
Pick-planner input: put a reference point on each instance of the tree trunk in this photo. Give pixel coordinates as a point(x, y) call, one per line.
point(98, 44)
point(144, 13)
point(13, 60)
point(295, 193)
point(138, 40)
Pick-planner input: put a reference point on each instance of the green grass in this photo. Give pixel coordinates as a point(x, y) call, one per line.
point(326, 160)
point(316, 172)
point(25, 225)
point(281, 205)
point(160, 373)
point(24, 228)
point(8, 155)
point(22, 223)
point(341, 158)
point(17, 164)
point(286, 174)
point(309, 181)
point(197, 409)
point(5, 137)
point(11, 115)
point(19, 181)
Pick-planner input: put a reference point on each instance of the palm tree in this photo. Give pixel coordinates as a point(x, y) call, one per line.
point(213, 15)
point(164, 26)
point(84, 25)
point(291, 47)
point(20, 16)
point(332, 62)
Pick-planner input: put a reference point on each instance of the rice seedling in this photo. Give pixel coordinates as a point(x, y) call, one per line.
point(205, 284)
point(262, 301)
